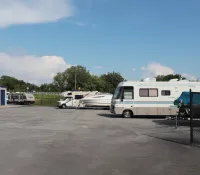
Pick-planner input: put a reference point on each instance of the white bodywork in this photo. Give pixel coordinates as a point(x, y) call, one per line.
point(100, 100)
point(155, 103)
point(21, 98)
point(7, 95)
point(72, 98)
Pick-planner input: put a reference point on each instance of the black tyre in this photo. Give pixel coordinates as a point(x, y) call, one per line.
point(127, 114)
point(64, 106)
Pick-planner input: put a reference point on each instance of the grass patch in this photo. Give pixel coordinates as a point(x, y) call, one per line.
point(46, 99)
point(42, 96)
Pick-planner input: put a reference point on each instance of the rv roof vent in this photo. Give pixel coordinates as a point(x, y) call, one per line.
point(174, 79)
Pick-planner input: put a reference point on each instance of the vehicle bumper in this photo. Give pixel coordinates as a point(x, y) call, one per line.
point(112, 109)
point(58, 105)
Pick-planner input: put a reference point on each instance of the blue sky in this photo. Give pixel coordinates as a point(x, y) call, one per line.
point(134, 37)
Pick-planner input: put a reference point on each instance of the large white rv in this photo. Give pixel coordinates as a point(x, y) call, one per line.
point(149, 98)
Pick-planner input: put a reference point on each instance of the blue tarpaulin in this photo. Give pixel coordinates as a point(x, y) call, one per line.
point(185, 98)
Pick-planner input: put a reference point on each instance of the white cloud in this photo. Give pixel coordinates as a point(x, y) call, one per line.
point(80, 24)
point(33, 11)
point(32, 69)
point(134, 69)
point(189, 76)
point(99, 67)
point(155, 69)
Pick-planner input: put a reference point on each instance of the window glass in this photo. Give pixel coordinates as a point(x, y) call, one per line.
point(148, 92)
point(144, 92)
point(153, 92)
point(118, 93)
point(128, 92)
point(165, 92)
point(78, 97)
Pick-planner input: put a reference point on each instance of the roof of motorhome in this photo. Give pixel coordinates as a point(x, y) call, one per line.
point(130, 83)
point(3, 86)
point(20, 93)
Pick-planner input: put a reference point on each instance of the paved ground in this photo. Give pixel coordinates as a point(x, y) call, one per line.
point(49, 141)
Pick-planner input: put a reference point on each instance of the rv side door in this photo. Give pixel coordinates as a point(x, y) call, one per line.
point(128, 96)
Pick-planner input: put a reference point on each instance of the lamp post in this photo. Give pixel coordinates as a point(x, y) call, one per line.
point(75, 79)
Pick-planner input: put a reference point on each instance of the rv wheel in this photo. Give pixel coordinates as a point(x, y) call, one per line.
point(127, 114)
point(64, 106)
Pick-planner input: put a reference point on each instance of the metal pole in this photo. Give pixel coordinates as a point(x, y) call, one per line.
point(176, 121)
point(191, 118)
point(75, 78)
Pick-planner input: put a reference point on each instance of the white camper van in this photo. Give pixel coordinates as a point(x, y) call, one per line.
point(149, 97)
point(72, 98)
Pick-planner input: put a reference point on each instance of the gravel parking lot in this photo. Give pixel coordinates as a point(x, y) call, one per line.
point(49, 141)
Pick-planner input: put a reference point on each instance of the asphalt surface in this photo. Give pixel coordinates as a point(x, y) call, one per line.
point(49, 141)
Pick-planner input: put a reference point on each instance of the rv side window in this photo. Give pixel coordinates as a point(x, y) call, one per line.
point(165, 92)
point(24, 97)
point(128, 92)
point(153, 92)
point(15, 97)
point(144, 93)
point(148, 92)
point(77, 97)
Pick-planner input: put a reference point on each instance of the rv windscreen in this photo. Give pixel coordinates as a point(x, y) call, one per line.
point(118, 93)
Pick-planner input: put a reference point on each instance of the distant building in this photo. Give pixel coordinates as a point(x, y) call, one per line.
point(3, 96)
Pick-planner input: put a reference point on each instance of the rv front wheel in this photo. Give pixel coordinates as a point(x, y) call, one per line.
point(64, 106)
point(127, 114)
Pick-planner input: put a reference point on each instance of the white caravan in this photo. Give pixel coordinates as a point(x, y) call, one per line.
point(150, 97)
point(21, 98)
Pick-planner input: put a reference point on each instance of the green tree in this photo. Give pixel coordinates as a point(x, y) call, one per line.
point(14, 84)
point(98, 84)
point(111, 79)
point(48, 88)
point(10, 82)
point(169, 77)
point(74, 77)
point(60, 81)
point(78, 77)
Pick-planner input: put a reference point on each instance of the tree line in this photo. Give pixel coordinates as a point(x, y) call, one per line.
point(75, 78)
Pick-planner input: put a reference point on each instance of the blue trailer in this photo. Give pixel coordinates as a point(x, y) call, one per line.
point(3, 91)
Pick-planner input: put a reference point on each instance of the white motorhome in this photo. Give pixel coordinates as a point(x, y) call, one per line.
point(149, 97)
point(72, 98)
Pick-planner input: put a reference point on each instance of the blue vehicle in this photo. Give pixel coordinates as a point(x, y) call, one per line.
point(183, 100)
point(183, 103)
